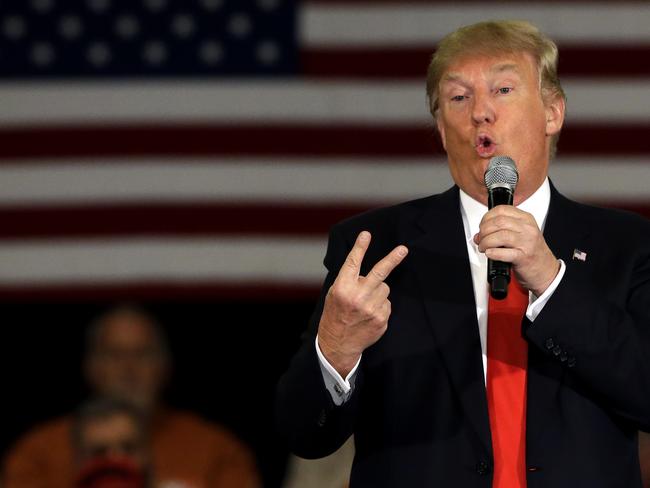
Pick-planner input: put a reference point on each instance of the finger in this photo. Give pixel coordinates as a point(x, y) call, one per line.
point(506, 213)
point(379, 294)
point(507, 255)
point(506, 210)
point(352, 264)
point(381, 314)
point(385, 311)
point(498, 225)
point(502, 238)
point(383, 268)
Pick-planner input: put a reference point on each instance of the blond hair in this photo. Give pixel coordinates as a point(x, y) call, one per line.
point(497, 37)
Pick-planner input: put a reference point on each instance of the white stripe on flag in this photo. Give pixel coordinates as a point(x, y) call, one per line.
point(409, 24)
point(364, 181)
point(196, 260)
point(239, 101)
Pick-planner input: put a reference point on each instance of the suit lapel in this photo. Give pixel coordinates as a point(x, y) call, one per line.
point(564, 232)
point(439, 259)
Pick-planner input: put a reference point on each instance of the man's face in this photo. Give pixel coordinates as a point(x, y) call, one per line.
point(127, 361)
point(491, 106)
point(116, 436)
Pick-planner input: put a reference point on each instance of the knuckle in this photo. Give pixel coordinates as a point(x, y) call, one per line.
point(377, 319)
point(386, 316)
point(356, 303)
point(366, 309)
point(395, 261)
point(501, 221)
point(351, 262)
point(336, 291)
point(379, 322)
point(378, 273)
point(385, 311)
point(380, 313)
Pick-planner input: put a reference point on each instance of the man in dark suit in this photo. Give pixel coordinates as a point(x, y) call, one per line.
point(413, 377)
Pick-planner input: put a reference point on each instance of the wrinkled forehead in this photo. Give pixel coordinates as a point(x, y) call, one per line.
point(521, 65)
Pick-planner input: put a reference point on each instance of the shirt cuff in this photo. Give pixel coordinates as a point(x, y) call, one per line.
point(340, 389)
point(536, 304)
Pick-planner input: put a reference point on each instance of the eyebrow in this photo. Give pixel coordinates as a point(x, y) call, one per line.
point(454, 78)
point(499, 68)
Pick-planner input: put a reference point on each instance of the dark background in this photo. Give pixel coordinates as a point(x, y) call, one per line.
point(228, 356)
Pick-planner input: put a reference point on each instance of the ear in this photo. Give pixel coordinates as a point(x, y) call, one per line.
point(555, 115)
point(441, 130)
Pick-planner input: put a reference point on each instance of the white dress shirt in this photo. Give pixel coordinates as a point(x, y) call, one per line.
point(472, 212)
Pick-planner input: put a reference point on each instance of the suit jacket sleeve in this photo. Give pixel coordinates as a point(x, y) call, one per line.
point(305, 413)
point(598, 323)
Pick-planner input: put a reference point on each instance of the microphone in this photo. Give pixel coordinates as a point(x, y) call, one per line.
point(500, 179)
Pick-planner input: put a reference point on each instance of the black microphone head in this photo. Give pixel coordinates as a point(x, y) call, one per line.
point(501, 173)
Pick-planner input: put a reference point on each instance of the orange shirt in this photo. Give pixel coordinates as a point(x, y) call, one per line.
point(188, 452)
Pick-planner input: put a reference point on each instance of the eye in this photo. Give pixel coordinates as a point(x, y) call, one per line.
point(458, 98)
point(505, 90)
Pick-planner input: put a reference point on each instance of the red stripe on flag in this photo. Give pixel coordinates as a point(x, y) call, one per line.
point(389, 62)
point(190, 220)
point(622, 139)
point(135, 220)
point(467, 3)
point(639, 208)
point(90, 292)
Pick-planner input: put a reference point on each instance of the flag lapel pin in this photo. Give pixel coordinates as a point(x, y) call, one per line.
point(579, 255)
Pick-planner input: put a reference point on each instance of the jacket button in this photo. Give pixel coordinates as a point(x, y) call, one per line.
point(322, 418)
point(549, 343)
point(557, 350)
point(482, 468)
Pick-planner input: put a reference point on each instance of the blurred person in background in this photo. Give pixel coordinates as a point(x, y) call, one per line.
point(127, 358)
point(644, 455)
point(110, 446)
point(332, 471)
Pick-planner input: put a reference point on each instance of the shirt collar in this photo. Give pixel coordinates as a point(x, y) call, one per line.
point(537, 205)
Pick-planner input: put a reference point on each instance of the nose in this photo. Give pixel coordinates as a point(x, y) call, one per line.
point(482, 109)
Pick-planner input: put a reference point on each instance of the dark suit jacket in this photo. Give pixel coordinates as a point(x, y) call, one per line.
point(419, 410)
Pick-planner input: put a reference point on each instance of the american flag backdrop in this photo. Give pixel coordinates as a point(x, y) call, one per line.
point(167, 148)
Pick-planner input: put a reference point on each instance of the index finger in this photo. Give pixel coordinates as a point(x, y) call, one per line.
point(383, 268)
point(504, 211)
point(352, 264)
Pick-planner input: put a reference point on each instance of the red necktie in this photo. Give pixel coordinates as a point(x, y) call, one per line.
point(507, 354)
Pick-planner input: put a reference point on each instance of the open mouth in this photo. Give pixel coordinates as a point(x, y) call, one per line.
point(485, 146)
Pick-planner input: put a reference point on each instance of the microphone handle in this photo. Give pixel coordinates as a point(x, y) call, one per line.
point(499, 272)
